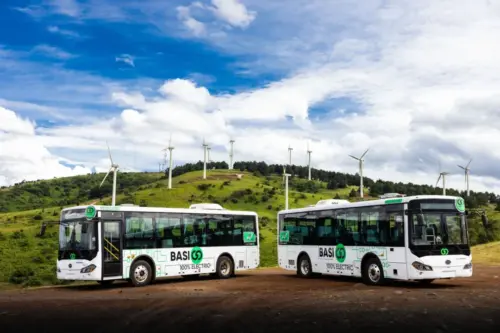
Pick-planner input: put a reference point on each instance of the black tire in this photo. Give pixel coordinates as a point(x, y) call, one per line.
point(304, 267)
point(373, 272)
point(138, 270)
point(225, 267)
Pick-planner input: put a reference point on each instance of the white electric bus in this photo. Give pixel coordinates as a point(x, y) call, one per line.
point(419, 238)
point(141, 244)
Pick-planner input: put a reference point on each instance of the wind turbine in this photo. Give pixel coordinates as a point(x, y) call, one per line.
point(231, 154)
point(114, 168)
point(309, 151)
point(170, 161)
point(361, 161)
point(205, 145)
point(467, 171)
point(442, 175)
point(285, 179)
point(290, 155)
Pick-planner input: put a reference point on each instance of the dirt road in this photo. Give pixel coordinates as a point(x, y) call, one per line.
point(268, 300)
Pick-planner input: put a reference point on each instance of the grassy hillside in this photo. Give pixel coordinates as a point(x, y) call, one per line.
point(30, 260)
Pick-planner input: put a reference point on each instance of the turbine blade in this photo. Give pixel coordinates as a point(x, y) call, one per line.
point(364, 153)
point(469, 163)
point(437, 182)
point(354, 157)
point(461, 167)
point(109, 153)
point(105, 176)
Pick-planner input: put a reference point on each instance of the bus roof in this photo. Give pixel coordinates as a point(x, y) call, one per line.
point(376, 202)
point(197, 209)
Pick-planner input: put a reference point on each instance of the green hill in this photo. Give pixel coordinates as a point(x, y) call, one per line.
point(31, 260)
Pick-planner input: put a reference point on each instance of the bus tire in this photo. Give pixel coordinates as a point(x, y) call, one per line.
point(141, 273)
point(373, 272)
point(225, 267)
point(304, 268)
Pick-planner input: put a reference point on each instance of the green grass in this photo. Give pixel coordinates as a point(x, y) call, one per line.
point(33, 259)
point(28, 260)
point(486, 253)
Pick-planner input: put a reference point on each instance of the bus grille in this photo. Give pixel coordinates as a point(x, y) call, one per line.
point(291, 262)
point(241, 263)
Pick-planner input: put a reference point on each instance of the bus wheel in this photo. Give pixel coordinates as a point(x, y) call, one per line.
point(141, 273)
point(224, 267)
point(304, 267)
point(373, 273)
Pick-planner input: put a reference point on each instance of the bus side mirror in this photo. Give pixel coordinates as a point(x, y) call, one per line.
point(42, 229)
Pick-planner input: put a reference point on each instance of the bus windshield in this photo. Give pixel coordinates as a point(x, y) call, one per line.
point(438, 228)
point(77, 235)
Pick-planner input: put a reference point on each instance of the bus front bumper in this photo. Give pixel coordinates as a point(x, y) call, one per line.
point(421, 271)
point(78, 270)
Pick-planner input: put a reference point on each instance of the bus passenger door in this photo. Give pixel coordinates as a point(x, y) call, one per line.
point(111, 249)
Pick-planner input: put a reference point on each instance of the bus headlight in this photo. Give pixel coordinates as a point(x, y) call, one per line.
point(421, 267)
point(88, 269)
point(468, 266)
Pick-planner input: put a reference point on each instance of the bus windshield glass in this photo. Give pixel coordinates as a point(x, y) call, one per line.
point(77, 235)
point(435, 226)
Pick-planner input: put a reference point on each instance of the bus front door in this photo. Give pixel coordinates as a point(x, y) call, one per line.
point(111, 249)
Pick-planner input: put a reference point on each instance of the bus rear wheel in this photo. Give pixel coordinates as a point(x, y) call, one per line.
point(373, 273)
point(141, 273)
point(304, 266)
point(224, 267)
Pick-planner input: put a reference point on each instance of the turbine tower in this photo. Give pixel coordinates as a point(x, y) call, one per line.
point(231, 154)
point(285, 179)
point(442, 175)
point(309, 151)
point(170, 161)
point(467, 172)
point(114, 168)
point(290, 155)
point(205, 145)
point(361, 161)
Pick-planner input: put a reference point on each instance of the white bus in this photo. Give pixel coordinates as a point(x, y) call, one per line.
point(419, 238)
point(141, 244)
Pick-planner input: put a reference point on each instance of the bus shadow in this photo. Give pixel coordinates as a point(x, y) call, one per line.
point(388, 284)
point(120, 284)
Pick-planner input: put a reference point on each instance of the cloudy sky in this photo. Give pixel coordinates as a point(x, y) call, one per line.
point(417, 82)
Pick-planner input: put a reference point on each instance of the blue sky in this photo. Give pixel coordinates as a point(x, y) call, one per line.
point(411, 80)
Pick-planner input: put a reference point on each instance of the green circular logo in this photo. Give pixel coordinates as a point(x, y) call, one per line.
point(460, 204)
point(340, 253)
point(72, 256)
point(90, 212)
point(196, 255)
point(444, 251)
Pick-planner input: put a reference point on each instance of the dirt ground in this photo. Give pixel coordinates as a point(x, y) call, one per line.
point(265, 300)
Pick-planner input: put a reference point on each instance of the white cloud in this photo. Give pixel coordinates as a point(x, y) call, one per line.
point(196, 27)
point(423, 77)
point(23, 156)
point(126, 58)
point(64, 32)
point(52, 52)
point(233, 12)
